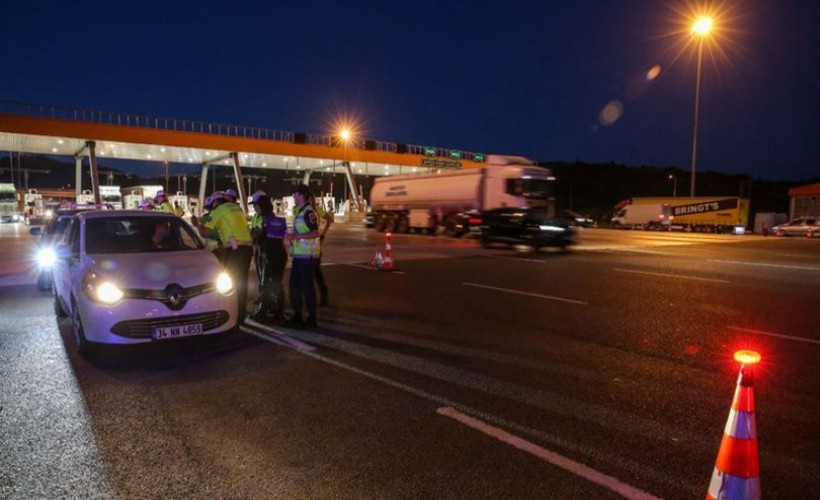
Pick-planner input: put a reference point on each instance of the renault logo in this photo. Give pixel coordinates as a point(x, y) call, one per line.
point(174, 297)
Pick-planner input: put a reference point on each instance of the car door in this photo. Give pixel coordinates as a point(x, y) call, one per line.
point(67, 263)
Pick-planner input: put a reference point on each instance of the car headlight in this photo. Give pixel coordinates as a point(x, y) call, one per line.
point(104, 292)
point(46, 257)
point(224, 284)
point(552, 229)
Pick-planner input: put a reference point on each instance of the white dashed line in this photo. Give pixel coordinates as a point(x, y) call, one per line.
point(770, 334)
point(665, 275)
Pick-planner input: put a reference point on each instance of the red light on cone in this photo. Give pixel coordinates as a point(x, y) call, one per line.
point(746, 357)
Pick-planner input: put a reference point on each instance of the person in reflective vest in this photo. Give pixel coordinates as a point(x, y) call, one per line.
point(228, 220)
point(268, 232)
point(305, 249)
point(162, 203)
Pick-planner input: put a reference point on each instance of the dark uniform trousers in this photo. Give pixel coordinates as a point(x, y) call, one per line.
point(302, 275)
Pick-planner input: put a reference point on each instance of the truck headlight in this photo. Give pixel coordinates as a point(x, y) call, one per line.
point(224, 284)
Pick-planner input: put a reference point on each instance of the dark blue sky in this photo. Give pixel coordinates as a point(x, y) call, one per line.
point(514, 77)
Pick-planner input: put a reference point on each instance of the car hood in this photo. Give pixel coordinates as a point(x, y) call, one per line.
point(155, 270)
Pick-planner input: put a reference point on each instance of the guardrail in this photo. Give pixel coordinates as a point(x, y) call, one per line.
point(200, 127)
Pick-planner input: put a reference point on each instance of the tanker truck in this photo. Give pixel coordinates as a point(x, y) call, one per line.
point(445, 201)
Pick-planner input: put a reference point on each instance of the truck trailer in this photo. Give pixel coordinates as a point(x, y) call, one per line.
point(703, 213)
point(446, 200)
point(9, 203)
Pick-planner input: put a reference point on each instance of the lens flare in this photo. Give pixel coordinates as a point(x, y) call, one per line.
point(611, 113)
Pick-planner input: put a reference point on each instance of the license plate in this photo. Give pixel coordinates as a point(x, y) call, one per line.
point(172, 332)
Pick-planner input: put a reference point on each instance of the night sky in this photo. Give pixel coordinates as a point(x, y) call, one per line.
point(595, 81)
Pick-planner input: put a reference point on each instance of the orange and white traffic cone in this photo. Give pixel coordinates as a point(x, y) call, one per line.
point(388, 253)
point(737, 469)
point(377, 259)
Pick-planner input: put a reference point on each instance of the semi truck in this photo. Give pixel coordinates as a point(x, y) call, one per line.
point(9, 203)
point(704, 213)
point(109, 195)
point(445, 201)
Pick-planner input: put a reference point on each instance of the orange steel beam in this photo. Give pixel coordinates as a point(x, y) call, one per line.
point(141, 135)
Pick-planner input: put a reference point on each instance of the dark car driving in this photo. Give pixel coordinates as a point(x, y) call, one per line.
point(525, 226)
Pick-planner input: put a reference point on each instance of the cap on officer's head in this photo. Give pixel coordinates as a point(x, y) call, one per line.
point(303, 190)
point(160, 193)
point(231, 195)
point(257, 196)
point(144, 204)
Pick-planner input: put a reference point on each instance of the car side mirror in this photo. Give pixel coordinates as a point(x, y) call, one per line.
point(36, 231)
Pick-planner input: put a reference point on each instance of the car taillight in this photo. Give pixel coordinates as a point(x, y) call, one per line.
point(474, 221)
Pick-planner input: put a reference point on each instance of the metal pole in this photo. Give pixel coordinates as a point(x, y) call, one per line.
point(697, 108)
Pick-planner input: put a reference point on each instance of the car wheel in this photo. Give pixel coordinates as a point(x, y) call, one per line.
point(43, 282)
point(58, 307)
point(83, 346)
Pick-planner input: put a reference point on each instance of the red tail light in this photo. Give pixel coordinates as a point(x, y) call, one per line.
point(474, 221)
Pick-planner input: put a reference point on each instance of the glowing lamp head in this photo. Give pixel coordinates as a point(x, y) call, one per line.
point(344, 134)
point(745, 357)
point(702, 27)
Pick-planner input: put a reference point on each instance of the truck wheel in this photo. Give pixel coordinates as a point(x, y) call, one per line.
point(403, 225)
point(378, 224)
point(390, 225)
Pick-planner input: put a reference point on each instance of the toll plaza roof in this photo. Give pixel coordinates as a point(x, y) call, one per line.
point(52, 130)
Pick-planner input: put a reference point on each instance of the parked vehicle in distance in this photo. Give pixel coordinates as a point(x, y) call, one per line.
point(135, 277)
point(800, 226)
point(9, 203)
point(703, 213)
point(524, 226)
point(575, 219)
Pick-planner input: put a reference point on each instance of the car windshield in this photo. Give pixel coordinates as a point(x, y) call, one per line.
point(537, 214)
point(59, 226)
point(139, 235)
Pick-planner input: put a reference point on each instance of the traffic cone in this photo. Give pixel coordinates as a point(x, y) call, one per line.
point(737, 468)
point(388, 253)
point(810, 233)
point(377, 259)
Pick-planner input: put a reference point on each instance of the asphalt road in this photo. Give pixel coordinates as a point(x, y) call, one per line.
point(602, 372)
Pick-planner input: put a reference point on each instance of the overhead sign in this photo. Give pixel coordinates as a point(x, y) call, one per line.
point(431, 163)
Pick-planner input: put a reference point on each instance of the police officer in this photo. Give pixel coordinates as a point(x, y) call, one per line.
point(228, 220)
point(162, 203)
point(145, 204)
point(305, 249)
point(268, 231)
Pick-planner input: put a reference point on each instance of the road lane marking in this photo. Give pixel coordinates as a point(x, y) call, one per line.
point(467, 410)
point(556, 459)
point(275, 336)
point(368, 267)
point(764, 264)
point(665, 275)
point(529, 294)
point(770, 334)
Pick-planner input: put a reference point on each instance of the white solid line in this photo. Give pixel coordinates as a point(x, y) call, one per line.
point(770, 334)
point(529, 294)
point(763, 264)
point(277, 337)
point(665, 275)
point(569, 465)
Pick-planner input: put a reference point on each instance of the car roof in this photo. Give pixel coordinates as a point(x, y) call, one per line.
point(119, 214)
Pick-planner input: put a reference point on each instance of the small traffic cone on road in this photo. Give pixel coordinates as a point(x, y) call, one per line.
point(810, 233)
point(388, 253)
point(737, 468)
point(377, 259)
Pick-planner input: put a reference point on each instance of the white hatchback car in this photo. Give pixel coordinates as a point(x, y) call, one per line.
point(131, 277)
point(802, 226)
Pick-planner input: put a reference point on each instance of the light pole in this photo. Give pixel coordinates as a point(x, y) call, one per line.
point(700, 30)
point(674, 185)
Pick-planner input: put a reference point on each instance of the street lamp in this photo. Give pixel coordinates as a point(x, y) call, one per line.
point(700, 30)
point(674, 185)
